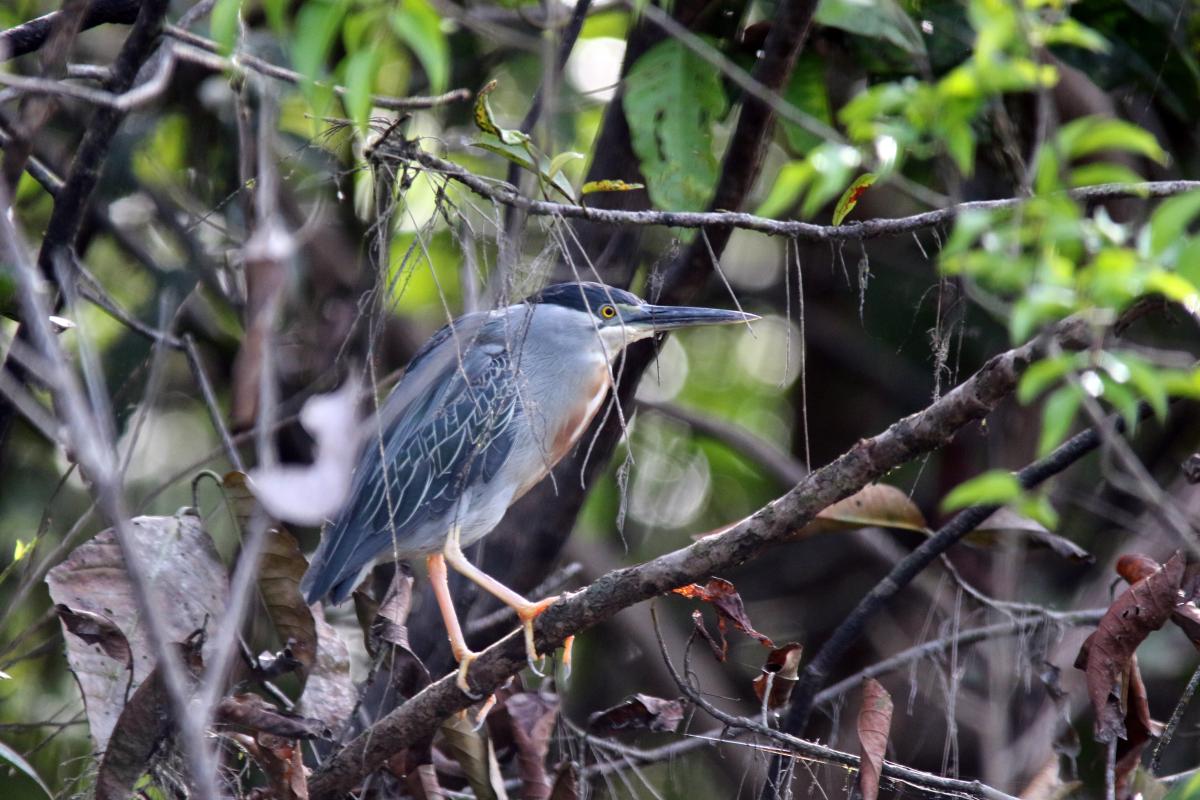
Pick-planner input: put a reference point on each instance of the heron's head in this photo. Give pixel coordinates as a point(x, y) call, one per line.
point(621, 317)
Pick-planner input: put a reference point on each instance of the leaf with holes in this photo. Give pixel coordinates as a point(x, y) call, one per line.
point(673, 100)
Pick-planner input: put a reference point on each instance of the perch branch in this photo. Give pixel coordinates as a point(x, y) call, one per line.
point(774, 524)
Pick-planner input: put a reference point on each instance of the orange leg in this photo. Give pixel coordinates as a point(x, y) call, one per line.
point(458, 644)
point(526, 610)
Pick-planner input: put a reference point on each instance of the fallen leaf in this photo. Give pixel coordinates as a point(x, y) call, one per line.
point(876, 505)
point(779, 675)
point(253, 714)
point(184, 575)
point(143, 724)
point(329, 694)
point(721, 594)
point(874, 725)
point(1107, 654)
point(532, 716)
point(1134, 566)
point(283, 762)
point(308, 494)
point(639, 712)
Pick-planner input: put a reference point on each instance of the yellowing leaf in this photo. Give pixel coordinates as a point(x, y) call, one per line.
point(877, 505)
point(21, 549)
point(849, 198)
point(610, 186)
point(485, 119)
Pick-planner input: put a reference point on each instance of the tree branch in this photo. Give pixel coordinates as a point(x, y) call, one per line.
point(903, 573)
point(30, 36)
point(807, 231)
point(774, 524)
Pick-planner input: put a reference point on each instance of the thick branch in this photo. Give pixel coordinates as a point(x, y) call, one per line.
point(30, 36)
point(774, 524)
point(850, 231)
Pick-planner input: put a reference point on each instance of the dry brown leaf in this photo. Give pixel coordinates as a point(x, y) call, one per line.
point(473, 751)
point(252, 713)
point(141, 727)
point(96, 629)
point(639, 712)
point(283, 761)
point(184, 575)
point(780, 673)
point(722, 595)
point(532, 716)
point(279, 574)
point(876, 505)
point(1005, 522)
point(1107, 654)
point(566, 782)
point(329, 694)
point(874, 725)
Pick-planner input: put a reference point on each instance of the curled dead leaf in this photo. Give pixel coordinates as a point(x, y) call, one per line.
point(532, 716)
point(874, 726)
point(723, 597)
point(252, 713)
point(639, 712)
point(779, 675)
point(96, 629)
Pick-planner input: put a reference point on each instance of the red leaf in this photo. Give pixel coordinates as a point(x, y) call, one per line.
point(728, 603)
point(874, 723)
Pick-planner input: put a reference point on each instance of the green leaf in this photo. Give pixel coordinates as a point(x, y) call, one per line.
point(223, 24)
point(20, 550)
point(995, 487)
point(960, 144)
point(276, 13)
point(1147, 381)
point(832, 166)
point(1170, 221)
point(1057, 417)
point(849, 198)
point(874, 19)
point(610, 186)
point(806, 91)
point(1088, 135)
point(1186, 790)
point(1040, 375)
point(485, 120)
point(420, 27)
point(1103, 172)
point(1123, 400)
point(361, 68)
point(14, 758)
point(672, 101)
point(561, 160)
point(789, 187)
point(317, 24)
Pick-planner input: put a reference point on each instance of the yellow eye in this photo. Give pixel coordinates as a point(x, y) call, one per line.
point(608, 312)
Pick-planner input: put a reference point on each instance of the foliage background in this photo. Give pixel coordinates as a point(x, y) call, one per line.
point(947, 101)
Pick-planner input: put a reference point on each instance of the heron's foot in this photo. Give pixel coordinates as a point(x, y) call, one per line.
point(527, 614)
point(481, 715)
point(465, 659)
point(568, 646)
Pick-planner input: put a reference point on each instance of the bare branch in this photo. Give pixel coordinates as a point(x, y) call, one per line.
point(30, 36)
point(807, 231)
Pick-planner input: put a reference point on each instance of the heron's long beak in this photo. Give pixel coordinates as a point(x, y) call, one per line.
point(665, 318)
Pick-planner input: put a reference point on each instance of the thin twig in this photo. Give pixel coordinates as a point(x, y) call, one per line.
point(849, 231)
point(896, 773)
point(243, 61)
point(1176, 717)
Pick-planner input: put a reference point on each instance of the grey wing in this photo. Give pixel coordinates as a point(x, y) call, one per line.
point(455, 432)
